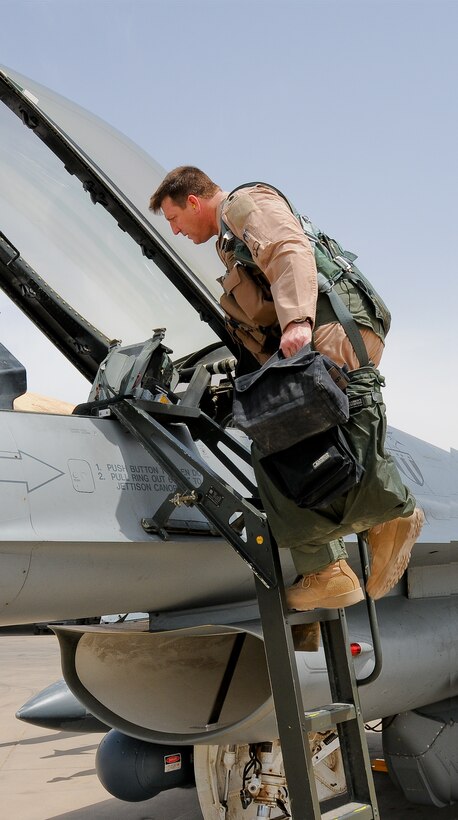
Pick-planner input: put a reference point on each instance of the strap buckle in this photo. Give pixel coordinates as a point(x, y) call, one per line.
point(343, 263)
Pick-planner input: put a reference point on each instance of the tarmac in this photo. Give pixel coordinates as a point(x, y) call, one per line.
point(46, 775)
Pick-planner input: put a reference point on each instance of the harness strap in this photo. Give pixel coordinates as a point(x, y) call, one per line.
point(345, 318)
point(358, 402)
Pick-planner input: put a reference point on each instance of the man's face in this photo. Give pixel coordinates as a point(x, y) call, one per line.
point(188, 221)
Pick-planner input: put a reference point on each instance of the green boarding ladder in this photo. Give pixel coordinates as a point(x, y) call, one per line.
point(151, 424)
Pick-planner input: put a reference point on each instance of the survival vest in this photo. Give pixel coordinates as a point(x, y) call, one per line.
point(380, 495)
point(344, 292)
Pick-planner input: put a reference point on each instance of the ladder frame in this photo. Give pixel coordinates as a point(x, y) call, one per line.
point(147, 421)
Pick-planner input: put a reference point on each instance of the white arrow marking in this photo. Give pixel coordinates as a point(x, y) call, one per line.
point(38, 472)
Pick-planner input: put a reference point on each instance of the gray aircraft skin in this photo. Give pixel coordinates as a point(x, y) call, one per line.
point(76, 489)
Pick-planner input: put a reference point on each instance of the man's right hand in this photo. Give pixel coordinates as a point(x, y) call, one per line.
point(294, 337)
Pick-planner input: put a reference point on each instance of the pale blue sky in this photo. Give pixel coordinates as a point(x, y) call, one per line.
point(348, 106)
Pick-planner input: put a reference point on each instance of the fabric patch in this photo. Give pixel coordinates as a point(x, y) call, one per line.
point(238, 210)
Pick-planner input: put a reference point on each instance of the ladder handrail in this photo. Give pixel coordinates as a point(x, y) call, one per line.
point(372, 614)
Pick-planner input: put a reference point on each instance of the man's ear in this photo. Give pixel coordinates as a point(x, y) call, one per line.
point(194, 202)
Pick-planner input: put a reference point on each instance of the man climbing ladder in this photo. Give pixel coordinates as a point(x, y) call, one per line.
point(272, 300)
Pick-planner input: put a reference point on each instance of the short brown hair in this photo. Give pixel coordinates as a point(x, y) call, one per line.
point(181, 182)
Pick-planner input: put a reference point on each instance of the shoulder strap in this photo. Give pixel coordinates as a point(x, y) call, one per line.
point(325, 286)
point(345, 318)
point(267, 185)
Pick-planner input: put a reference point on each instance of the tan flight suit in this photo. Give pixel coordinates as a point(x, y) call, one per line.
point(263, 305)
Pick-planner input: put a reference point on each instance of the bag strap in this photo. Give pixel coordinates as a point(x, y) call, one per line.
point(325, 286)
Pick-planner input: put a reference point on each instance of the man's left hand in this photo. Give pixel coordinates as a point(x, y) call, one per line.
point(294, 337)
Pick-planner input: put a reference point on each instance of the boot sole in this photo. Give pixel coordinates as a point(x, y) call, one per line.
point(394, 569)
point(336, 602)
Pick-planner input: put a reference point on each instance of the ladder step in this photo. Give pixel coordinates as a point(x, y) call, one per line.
point(326, 717)
point(355, 811)
point(310, 616)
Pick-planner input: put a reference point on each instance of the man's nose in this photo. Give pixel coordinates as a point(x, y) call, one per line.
point(176, 229)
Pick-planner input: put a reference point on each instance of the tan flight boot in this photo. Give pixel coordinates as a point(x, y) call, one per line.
point(391, 544)
point(333, 587)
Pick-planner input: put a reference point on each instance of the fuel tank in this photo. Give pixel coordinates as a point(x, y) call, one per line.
point(210, 684)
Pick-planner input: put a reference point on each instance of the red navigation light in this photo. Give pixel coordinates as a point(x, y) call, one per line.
point(356, 649)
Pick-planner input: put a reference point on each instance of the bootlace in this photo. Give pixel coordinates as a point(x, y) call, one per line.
point(307, 580)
